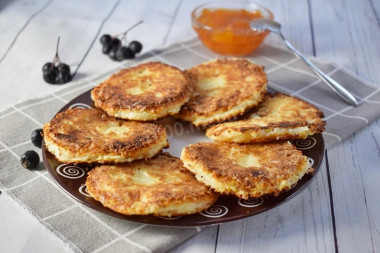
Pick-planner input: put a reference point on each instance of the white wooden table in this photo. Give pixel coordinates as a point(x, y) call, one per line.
point(339, 211)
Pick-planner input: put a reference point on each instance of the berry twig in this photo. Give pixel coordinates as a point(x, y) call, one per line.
point(56, 57)
point(125, 33)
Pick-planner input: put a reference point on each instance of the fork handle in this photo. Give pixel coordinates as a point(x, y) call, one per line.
point(335, 86)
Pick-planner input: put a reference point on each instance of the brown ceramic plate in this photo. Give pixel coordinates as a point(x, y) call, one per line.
point(228, 208)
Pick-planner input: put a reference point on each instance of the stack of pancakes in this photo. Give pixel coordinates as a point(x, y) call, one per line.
point(249, 158)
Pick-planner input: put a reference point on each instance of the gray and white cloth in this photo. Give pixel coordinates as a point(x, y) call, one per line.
point(86, 230)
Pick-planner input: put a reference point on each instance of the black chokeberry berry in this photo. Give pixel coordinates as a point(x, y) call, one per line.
point(47, 66)
point(112, 54)
point(115, 43)
point(50, 75)
point(105, 39)
point(126, 53)
point(135, 46)
point(30, 159)
point(119, 54)
point(37, 137)
point(62, 67)
point(106, 49)
point(63, 77)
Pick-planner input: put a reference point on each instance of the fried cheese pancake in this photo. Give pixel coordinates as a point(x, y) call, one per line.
point(223, 89)
point(89, 135)
point(279, 117)
point(161, 186)
point(245, 171)
point(145, 92)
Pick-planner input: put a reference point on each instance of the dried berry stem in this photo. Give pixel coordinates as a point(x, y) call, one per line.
point(56, 57)
point(125, 33)
point(56, 51)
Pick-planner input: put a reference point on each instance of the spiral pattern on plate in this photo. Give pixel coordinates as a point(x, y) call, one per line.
point(83, 191)
point(311, 161)
point(70, 171)
point(215, 211)
point(79, 105)
point(252, 202)
point(307, 143)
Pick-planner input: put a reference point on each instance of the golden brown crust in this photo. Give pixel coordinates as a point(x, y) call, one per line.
point(223, 89)
point(153, 88)
point(89, 135)
point(159, 186)
point(246, 170)
point(278, 117)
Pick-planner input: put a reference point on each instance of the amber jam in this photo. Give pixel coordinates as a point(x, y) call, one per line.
point(227, 31)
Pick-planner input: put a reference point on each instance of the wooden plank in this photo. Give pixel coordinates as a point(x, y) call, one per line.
point(349, 35)
point(181, 29)
point(376, 8)
point(368, 161)
point(354, 167)
point(351, 211)
point(204, 242)
point(295, 23)
point(22, 12)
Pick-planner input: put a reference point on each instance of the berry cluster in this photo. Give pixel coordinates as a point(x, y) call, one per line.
point(56, 72)
point(113, 46)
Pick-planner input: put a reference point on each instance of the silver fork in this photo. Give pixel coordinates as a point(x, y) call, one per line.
point(261, 25)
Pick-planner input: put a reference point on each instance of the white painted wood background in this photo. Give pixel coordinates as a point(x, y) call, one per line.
point(339, 212)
